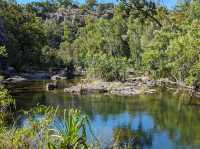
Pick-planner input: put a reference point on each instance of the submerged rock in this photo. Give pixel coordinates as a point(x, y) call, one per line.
point(51, 86)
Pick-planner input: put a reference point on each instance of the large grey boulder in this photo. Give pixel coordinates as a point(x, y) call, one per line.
point(100, 87)
point(14, 79)
point(58, 77)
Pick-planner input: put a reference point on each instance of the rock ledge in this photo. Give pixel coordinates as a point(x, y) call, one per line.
point(132, 87)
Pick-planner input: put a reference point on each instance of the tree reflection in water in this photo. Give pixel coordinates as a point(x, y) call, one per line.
point(125, 137)
point(166, 117)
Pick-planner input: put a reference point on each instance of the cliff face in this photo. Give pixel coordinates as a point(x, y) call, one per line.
point(76, 16)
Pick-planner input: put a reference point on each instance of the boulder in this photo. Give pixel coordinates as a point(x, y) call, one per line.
point(74, 90)
point(51, 86)
point(14, 79)
point(97, 87)
point(100, 87)
point(58, 77)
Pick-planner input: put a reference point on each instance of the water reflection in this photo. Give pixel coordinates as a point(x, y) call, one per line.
point(156, 121)
point(126, 137)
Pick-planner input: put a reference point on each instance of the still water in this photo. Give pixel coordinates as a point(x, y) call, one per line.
point(160, 121)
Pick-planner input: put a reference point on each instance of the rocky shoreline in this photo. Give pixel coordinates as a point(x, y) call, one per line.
point(133, 87)
point(55, 74)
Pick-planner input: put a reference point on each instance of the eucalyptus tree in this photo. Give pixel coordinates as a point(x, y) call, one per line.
point(141, 9)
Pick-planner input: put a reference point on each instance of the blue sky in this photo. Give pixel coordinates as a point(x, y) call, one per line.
point(168, 3)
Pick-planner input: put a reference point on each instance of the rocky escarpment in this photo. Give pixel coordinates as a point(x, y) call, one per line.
point(76, 16)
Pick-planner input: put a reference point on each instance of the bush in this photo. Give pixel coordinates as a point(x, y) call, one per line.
point(5, 98)
point(6, 101)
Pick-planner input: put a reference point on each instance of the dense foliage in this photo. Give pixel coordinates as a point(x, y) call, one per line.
point(141, 35)
point(46, 132)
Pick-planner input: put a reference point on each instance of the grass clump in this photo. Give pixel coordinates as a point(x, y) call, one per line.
point(47, 132)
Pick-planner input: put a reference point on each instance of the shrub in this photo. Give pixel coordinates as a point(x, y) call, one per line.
point(5, 97)
point(6, 101)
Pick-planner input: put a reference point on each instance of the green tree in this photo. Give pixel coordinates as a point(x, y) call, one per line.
point(143, 9)
point(183, 52)
point(25, 35)
point(53, 32)
point(90, 4)
point(64, 3)
point(104, 36)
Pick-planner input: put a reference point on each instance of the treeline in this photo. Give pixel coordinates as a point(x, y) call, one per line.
point(28, 39)
point(141, 35)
